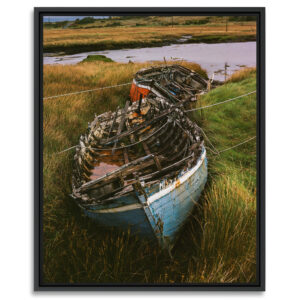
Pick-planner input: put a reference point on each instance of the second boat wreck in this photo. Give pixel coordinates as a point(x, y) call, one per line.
point(175, 83)
point(143, 167)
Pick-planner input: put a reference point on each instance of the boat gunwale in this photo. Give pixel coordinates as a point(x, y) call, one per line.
point(156, 196)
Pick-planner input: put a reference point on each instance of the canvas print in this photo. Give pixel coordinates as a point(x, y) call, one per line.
point(149, 157)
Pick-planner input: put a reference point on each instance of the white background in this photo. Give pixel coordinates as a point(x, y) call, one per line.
point(283, 180)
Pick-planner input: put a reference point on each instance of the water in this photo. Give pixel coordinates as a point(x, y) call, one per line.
point(211, 57)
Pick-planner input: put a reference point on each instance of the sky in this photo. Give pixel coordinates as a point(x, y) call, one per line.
point(67, 18)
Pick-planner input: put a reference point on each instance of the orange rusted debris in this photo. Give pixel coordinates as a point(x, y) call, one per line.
point(136, 92)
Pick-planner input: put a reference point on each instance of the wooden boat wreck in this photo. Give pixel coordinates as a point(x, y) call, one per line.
point(173, 82)
point(143, 167)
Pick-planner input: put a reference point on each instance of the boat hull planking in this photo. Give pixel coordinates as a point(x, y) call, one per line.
point(159, 215)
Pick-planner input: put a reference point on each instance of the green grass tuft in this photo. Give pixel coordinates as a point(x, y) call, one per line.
point(97, 58)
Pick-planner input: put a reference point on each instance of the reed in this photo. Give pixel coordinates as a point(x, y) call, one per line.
point(217, 244)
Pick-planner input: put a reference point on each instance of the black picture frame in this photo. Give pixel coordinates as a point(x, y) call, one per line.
point(39, 12)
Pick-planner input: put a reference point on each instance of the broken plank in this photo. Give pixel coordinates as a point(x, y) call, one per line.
point(123, 171)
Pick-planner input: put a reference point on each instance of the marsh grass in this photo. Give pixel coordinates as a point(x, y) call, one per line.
point(217, 244)
point(130, 35)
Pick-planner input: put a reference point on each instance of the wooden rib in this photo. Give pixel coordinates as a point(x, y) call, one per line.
point(178, 154)
point(134, 129)
point(131, 137)
point(168, 141)
point(173, 157)
point(153, 138)
point(126, 158)
point(157, 162)
point(170, 167)
point(121, 124)
point(113, 123)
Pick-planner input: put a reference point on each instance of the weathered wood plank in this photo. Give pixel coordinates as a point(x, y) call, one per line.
point(123, 171)
point(121, 124)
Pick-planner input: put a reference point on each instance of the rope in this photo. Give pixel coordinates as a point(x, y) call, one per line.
point(244, 142)
point(215, 151)
point(232, 99)
point(67, 149)
point(123, 147)
point(87, 91)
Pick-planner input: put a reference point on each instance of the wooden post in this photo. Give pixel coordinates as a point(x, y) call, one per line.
point(208, 85)
point(140, 103)
point(201, 110)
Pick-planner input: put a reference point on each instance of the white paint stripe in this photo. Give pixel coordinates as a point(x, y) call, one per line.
point(178, 182)
point(116, 209)
point(141, 85)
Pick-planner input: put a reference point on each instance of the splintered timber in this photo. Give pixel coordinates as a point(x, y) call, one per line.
point(144, 166)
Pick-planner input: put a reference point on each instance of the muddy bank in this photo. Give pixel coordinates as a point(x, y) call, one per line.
point(212, 57)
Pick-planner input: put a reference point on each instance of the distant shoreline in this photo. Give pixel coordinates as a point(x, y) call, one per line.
point(65, 49)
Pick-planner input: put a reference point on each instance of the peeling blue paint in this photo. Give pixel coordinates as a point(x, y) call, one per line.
point(160, 219)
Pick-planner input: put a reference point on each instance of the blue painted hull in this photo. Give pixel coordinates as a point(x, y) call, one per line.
point(161, 213)
point(173, 209)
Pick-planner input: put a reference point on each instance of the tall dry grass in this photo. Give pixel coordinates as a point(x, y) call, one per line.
point(103, 38)
point(242, 74)
point(218, 242)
